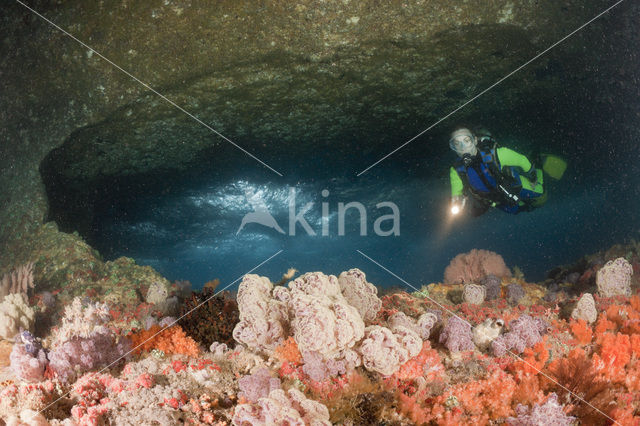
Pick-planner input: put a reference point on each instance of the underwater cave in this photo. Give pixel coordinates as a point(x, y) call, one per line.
point(169, 141)
point(152, 179)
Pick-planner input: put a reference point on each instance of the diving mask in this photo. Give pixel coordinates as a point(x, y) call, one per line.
point(463, 142)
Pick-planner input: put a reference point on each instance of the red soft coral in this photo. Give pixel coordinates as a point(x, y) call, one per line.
point(426, 364)
point(288, 351)
point(172, 340)
point(581, 331)
point(615, 350)
point(490, 397)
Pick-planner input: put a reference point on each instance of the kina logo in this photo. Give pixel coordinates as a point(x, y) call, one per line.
point(262, 216)
point(260, 213)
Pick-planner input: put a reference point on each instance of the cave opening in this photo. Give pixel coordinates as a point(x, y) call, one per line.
point(182, 213)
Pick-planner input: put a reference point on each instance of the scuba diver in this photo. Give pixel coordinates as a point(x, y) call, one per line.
point(494, 176)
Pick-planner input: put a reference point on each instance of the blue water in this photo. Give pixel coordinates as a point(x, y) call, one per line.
point(191, 233)
point(188, 229)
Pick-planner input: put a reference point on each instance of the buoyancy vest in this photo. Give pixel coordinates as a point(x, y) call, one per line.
point(484, 178)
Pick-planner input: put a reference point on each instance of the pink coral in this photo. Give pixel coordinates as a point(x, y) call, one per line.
point(473, 266)
point(26, 366)
point(94, 404)
point(15, 398)
point(524, 332)
point(456, 335)
point(549, 413)
point(257, 385)
point(426, 364)
point(319, 369)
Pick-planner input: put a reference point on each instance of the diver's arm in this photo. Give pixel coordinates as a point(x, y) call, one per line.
point(509, 157)
point(458, 200)
point(456, 183)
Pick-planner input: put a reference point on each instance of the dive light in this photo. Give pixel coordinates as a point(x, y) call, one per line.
point(457, 207)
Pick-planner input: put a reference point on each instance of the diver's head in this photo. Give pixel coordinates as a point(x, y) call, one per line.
point(463, 141)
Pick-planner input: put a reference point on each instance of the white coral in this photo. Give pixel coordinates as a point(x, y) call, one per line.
point(585, 309)
point(323, 326)
point(28, 417)
point(360, 293)
point(474, 294)
point(19, 280)
point(318, 285)
point(82, 320)
point(486, 332)
point(291, 408)
point(425, 324)
point(384, 351)
point(262, 319)
point(422, 326)
point(15, 315)
point(614, 278)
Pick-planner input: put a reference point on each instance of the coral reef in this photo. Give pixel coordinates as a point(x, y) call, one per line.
point(84, 342)
point(28, 359)
point(549, 413)
point(15, 315)
point(614, 278)
point(208, 318)
point(493, 286)
point(280, 407)
point(474, 266)
point(20, 280)
point(456, 335)
point(585, 309)
point(524, 332)
point(474, 293)
point(324, 349)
